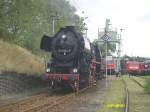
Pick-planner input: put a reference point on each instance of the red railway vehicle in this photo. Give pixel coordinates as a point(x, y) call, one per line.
point(111, 66)
point(133, 67)
point(145, 66)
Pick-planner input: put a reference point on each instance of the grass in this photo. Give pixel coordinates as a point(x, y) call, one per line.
point(144, 81)
point(147, 84)
point(114, 98)
point(16, 59)
point(139, 99)
point(139, 79)
point(146, 77)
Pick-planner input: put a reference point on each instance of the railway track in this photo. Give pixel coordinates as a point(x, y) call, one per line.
point(41, 103)
point(17, 105)
point(126, 97)
point(137, 82)
point(127, 93)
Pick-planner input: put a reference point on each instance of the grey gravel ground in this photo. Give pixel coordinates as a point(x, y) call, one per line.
point(91, 100)
point(88, 101)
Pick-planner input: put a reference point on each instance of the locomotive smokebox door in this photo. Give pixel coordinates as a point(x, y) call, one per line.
point(46, 43)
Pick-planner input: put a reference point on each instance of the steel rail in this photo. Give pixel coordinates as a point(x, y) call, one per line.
point(137, 82)
point(55, 103)
point(39, 103)
point(7, 106)
point(126, 96)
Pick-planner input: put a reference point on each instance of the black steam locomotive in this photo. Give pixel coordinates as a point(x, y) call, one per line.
point(75, 61)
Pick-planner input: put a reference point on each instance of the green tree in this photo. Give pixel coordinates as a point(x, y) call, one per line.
point(24, 22)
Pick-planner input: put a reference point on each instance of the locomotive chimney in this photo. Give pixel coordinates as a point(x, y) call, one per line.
point(70, 27)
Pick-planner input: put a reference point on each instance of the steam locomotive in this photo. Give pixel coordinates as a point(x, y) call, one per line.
point(75, 61)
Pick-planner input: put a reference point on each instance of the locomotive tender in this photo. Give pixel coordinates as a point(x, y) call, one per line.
point(75, 61)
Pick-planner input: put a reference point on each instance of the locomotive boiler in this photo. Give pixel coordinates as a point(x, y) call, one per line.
point(72, 55)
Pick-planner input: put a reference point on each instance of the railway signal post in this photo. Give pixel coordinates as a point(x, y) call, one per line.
point(106, 39)
point(110, 36)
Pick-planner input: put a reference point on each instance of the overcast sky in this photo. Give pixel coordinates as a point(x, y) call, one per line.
point(131, 15)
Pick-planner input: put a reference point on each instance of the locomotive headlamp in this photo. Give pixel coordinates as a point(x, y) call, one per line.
point(63, 36)
point(146, 65)
point(48, 70)
point(75, 70)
